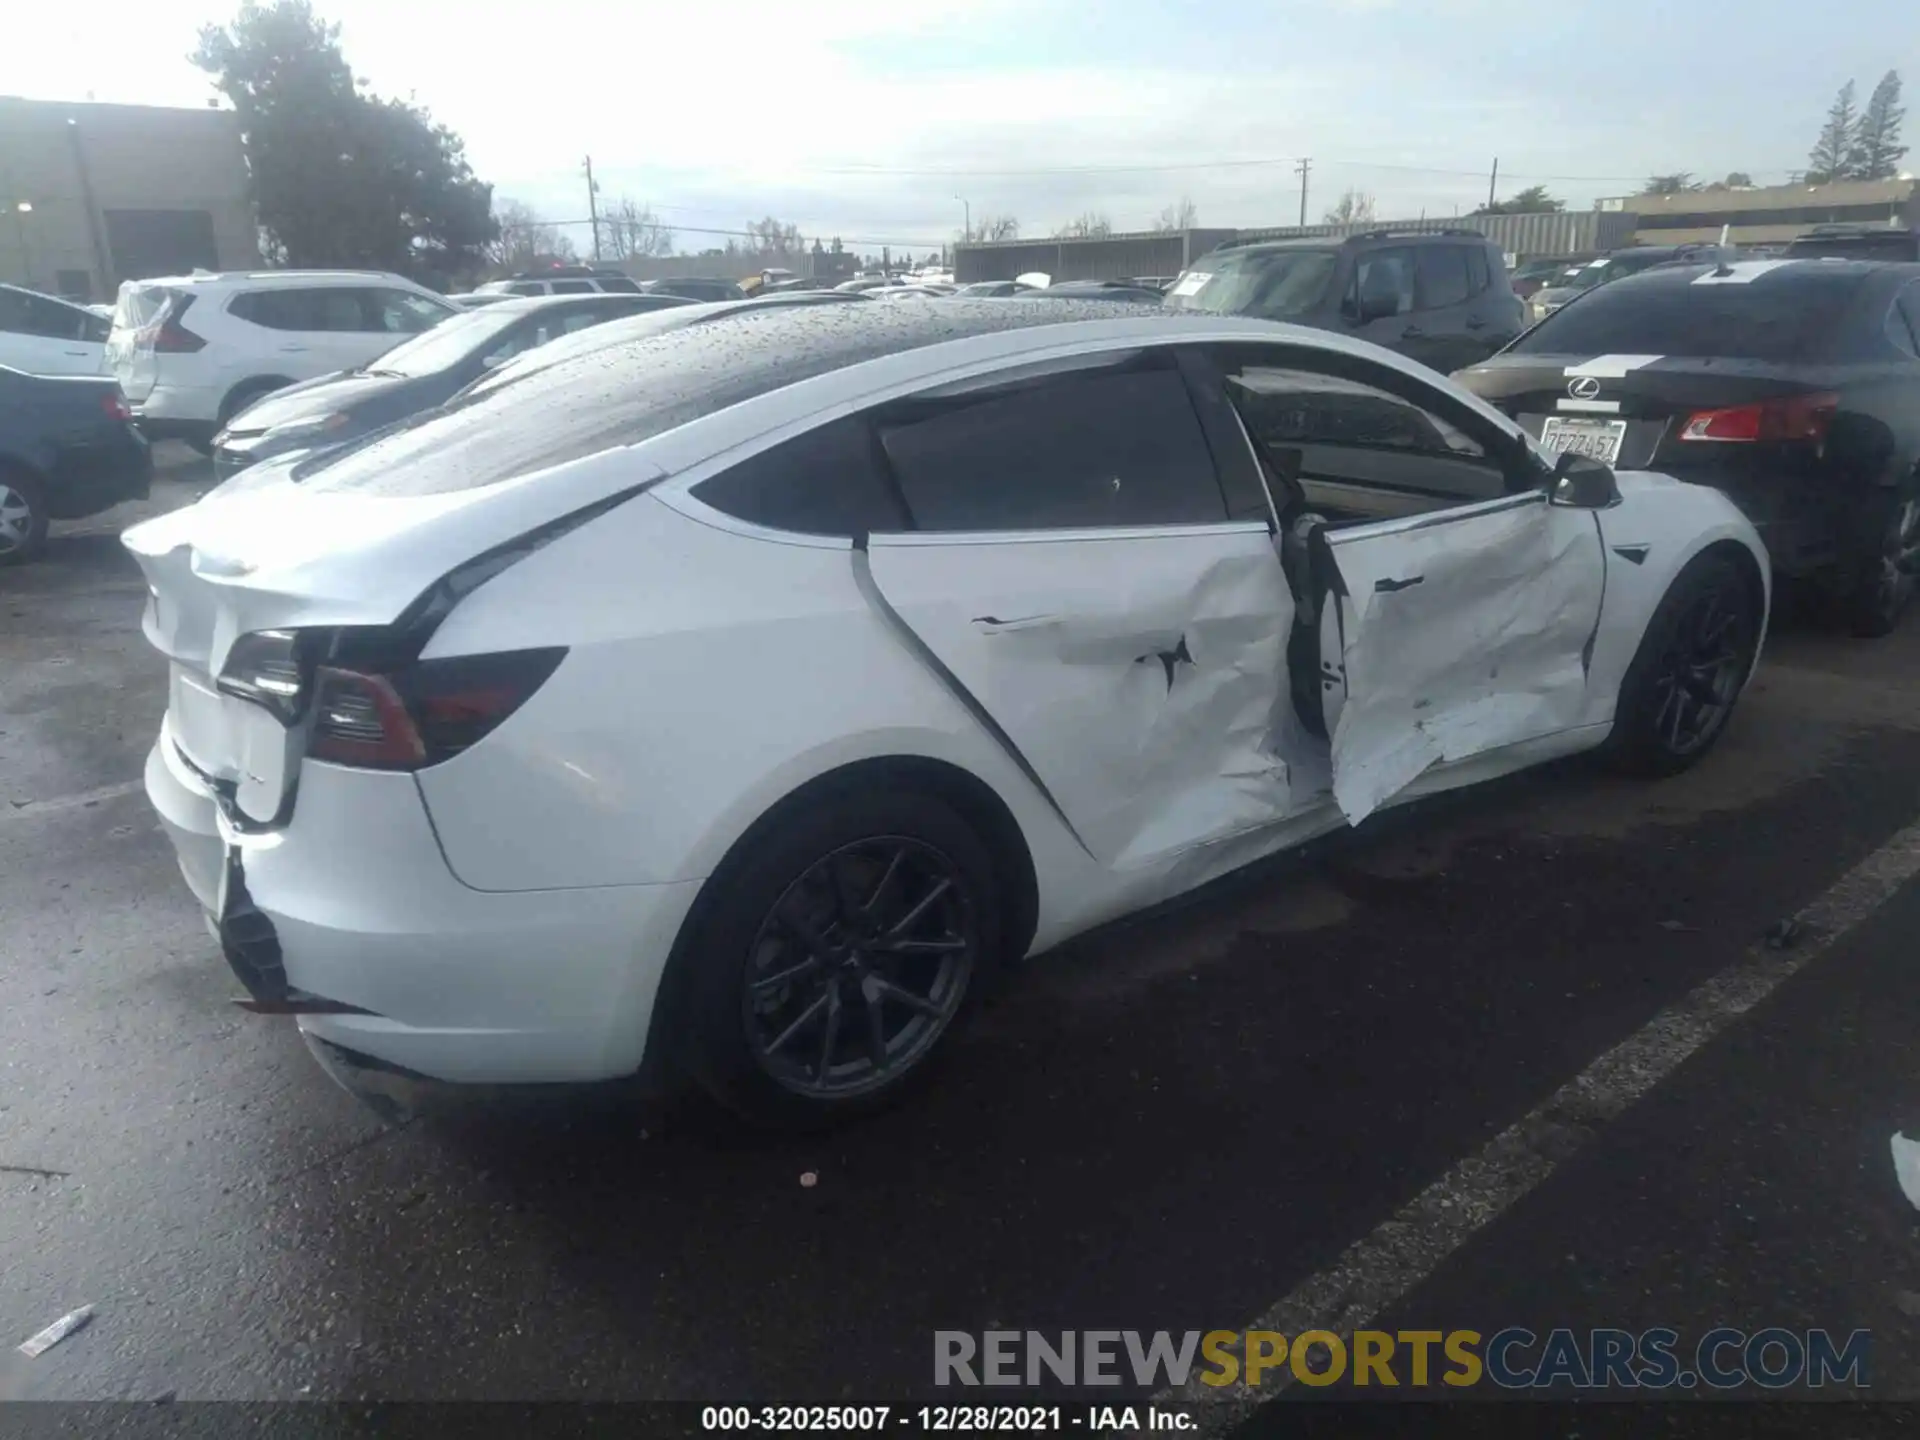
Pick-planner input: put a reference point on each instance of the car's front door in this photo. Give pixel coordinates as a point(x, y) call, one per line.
point(1455, 606)
point(1076, 577)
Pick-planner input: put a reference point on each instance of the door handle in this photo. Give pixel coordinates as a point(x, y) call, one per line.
point(994, 625)
point(80, 353)
point(1412, 332)
point(293, 349)
point(1387, 587)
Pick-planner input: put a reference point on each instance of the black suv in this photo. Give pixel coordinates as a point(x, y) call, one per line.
point(1855, 242)
point(1439, 297)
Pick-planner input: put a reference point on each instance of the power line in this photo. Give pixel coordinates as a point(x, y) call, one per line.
point(921, 243)
point(1288, 160)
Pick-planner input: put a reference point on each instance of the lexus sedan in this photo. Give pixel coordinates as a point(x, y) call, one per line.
point(732, 702)
point(1791, 385)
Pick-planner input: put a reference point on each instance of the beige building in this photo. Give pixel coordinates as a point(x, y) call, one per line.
point(91, 195)
point(1768, 214)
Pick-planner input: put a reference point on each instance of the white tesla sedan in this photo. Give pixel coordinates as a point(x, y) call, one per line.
point(733, 700)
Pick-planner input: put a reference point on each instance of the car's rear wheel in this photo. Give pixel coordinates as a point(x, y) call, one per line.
point(23, 516)
point(1692, 664)
point(1884, 583)
point(841, 951)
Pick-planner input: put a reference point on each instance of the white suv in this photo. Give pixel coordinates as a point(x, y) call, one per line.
point(193, 351)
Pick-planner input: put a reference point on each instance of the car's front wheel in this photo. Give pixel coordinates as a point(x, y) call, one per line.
point(839, 953)
point(1691, 666)
point(1883, 585)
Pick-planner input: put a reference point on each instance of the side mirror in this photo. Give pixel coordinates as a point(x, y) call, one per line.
point(1582, 483)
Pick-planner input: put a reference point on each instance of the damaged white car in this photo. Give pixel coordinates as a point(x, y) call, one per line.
point(734, 700)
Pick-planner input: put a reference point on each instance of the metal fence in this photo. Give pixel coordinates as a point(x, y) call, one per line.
point(1118, 257)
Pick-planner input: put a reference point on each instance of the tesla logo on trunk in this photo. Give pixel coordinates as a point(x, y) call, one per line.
point(1583, 387)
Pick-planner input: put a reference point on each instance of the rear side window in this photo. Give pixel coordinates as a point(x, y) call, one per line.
point(1443, 276)
point(296, 309)
point(1397, 266)
point(26, 314)
point(1909, 307)
point(828, 481)
point(572, 287)
point(1772, 319)
point(1479, 275)
point(1100, 450)
point(527, 287)
point(617, 285)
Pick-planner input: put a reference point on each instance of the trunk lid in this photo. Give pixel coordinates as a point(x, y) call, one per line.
point(1654, 395)
point(266, 553)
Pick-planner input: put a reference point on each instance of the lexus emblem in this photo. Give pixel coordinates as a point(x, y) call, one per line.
point(1583, 387)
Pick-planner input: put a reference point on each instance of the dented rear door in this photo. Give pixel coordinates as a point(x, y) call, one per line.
point(1135, 675)
point(1452, 634)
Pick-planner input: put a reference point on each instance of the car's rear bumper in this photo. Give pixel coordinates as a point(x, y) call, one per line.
point(1813, 524)
point(95, 477)
point(352, 906)
point(177, 412)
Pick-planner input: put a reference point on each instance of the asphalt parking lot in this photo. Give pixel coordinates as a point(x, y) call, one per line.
point(1184, 1123)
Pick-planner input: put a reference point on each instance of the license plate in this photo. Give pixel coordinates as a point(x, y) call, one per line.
point(1596, 439)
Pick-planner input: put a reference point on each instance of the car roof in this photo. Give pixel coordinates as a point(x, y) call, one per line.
point(608, 298)
point(1335, 242)
point(1770, 274)
point(277, 277)
point(42, 295)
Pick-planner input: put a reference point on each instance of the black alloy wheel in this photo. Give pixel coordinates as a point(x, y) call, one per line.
point(1693, 662)
point(834, 955)
point(1885, 584)
point(860, 967)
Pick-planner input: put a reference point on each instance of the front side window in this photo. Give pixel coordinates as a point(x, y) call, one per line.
point(1358, 449)
point(1479, 273)
point(401, 312)
point(1387, 272)
point(1268, 284)
point(1111, 448)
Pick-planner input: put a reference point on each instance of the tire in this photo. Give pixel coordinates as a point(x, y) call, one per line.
point(201, 445)
point(754, 1040)
point(1881, 588)
point(1659, 728)
point(23, 516)
point(238, 399)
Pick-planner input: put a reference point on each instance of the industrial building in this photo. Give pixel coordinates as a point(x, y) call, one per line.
point(91, 195)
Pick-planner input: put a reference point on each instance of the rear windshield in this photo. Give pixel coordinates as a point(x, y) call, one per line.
point(1272, 284)
point(1785, 319)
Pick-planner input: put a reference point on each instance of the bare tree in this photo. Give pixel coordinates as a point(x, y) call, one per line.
point(630, 231)
point(997, 227)
point(768, 236)
point(1177, 217)
point(1091, 225)
point(1355, 207)
point(521, 235)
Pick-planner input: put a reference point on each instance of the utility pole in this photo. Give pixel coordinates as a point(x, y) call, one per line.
point(593, 208)
point(1493, 180)
point(1304, 168)
point(967, 210)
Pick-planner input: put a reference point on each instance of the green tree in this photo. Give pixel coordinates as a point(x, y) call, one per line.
point(1530, 201)
point(340, 177)
point(1876, 149)
point(1830, 157)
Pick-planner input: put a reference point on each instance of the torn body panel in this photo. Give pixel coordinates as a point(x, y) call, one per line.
point(1138, 676)
point(1455, 635)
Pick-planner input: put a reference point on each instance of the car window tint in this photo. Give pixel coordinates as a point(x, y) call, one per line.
point(571, 287)
point(618, 285)
point(1085, 450)
point(1479, 274)
point(1910, 312)
point(527, 287)
point(276, 309)
point(1899, 332)
point(826, 482)
point(13, 311)
point(1443, 276)
point(1360, 451)
point(1398, 266)
point(1776, 317)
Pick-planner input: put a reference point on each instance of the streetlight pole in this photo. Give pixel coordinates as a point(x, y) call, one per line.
point(966, 205)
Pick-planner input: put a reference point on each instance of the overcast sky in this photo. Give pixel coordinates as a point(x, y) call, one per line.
point(875, 121)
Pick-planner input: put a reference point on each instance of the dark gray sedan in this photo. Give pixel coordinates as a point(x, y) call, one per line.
point(418, 375)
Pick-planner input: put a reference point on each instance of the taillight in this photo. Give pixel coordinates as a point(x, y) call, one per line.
point(116, 406)
point(169, 336)
point(1794, 417)
point(422, 713)
point(264, 667)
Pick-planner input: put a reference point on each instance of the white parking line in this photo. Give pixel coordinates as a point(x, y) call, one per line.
point(69, 802)
point(1377, 1271)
